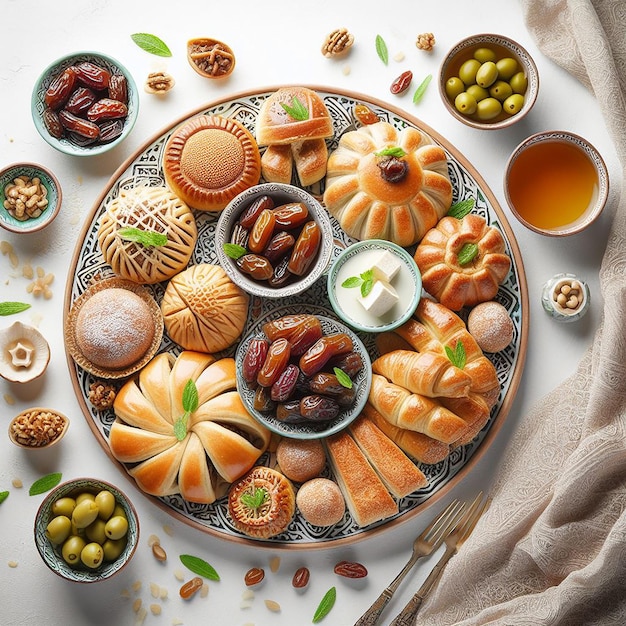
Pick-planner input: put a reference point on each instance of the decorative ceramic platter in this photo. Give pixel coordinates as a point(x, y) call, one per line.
point(144, 167)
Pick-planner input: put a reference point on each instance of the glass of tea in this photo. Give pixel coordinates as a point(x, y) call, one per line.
point(556, 183)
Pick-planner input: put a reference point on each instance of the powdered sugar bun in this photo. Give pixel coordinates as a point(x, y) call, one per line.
point(489, 323)
point(300, 459)
point(321, 502)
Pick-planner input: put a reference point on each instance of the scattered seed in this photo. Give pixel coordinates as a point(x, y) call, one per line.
point(9, 399)
point(137, 586)
point(158, 552)
point(137, 605)
point(155, 609)
point(168, 529)
point(399, 56)
point(204, 592)
point(152, 539)
point(345, 70)
point(273, 606)
point(154, 590)
point(274, 564)
point(17, 483)
point(13, 564)
point(179, 575)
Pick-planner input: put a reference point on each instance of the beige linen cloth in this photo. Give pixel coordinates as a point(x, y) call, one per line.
point(552, 547)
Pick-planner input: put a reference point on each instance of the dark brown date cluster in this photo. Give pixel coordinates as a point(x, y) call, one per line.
point(87, 104)
point(292, 370)
point(275, 244)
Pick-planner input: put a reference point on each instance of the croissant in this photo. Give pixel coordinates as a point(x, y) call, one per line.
point(216, 444)
point(457, 284)
point(422, 448)
point(415, 412)
point(426, 373)
point(474, 409)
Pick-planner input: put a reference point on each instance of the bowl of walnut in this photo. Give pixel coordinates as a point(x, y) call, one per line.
point(38, 428)
point(84, 103)
point(31, 197)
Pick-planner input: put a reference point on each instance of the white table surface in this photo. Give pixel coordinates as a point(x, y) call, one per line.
point(275, 43)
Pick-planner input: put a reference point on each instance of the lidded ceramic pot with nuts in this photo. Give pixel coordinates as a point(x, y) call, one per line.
point(24, 353)
point(565, 297)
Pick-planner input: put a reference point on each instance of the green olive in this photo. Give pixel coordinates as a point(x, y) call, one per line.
point(519, 82)
point(106, 504)
point(85, 495)
point(465, 103)
point(85, 512)
point(95, 531)
point(454, 86)
point(119, 511)
point(507, 66)
point(116, 527)
point(63, 506)
point(487, 74)
point(59, 528)
point(477, 92)
point(112, 548)
point(467, 71)
point(513, 104)
point(71, 549)
point(488, 108)
point(92, 555)
point(484, 54)
point(500, 90)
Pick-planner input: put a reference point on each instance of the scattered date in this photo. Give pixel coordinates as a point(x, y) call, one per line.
point(350, 569)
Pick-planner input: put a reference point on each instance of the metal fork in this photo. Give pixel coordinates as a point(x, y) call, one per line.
point(424, 545)
point(408, 615)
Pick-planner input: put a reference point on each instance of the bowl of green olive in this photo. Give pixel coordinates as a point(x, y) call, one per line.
point(86, 530)
point(488, 81)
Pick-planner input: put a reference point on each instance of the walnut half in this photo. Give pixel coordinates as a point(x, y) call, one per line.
point(337, 43)
point(159, 83)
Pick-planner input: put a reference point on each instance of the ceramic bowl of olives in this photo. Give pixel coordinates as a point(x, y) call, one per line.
point(84, 103)
point(488, 81)
point(302, 373)
point(86, 530)
point(274, 240)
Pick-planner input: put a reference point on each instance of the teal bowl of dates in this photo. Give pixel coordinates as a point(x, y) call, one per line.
point(374, 285)
point(274, 240)
point(86, 530)
point(303, 375)
point(85, 103)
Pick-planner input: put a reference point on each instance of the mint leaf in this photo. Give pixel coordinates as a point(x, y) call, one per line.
point(325, 605)
point(147, 238)
point(151, 44)
point(255, 499)
point(467, 253)
point(190, 396)
point(10, 308)
point(199, 566)
point(381, 49)
point(45, 483)
point(3, 496)
point(421, 89)
point(391, 151)
point(297, 110)
point(457, 356)
point(366, 287)
point(233, 250)
point(461, 208)
point(343, 378)
point(353, 281)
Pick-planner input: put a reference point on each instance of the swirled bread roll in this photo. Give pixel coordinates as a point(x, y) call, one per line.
point(374, 197)
point(216, 444)
point(150, 210)
point(203, 309)
point(453, 283)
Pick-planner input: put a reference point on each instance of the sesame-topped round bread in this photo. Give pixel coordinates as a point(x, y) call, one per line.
point(209, 160)
point(114, 328)
point(148, 211)
point(203, 310)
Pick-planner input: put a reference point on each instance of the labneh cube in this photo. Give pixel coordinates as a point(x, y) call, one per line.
point(387, 265)
point(380, 299)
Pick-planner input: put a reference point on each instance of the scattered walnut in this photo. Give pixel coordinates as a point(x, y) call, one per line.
point(337, 43)
point(425, 41)
point(159, 83)
point(101, 395)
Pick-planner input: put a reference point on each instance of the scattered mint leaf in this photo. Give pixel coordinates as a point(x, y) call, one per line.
point(233, 250)
point(199, 566)
point(45, 483)
point(467, 253)
point(391, 151)
point(10, 308)
point(151, 44)
point(325, 605)
point(190, 404)
point(147, 238)
point(343, 378)
point(457, 356)
point(297, 110)
point(350, 283)
point(255, 499)
point(421, 89)
point(461, 208)
point(381, 49)
point(3, 496)
point(367, 286)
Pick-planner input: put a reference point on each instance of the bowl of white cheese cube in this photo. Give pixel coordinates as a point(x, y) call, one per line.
point(374, 285)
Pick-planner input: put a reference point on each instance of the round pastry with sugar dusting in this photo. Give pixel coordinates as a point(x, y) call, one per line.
point(490, 324)
point(114, 328)
point(209, 160)
point(300, 459)
point(321, 502)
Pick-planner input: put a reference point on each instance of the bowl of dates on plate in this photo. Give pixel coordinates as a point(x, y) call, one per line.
point(84, 103)
point(303, 375)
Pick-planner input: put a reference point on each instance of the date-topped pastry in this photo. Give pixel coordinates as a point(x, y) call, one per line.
point(462, 261)
point(147, 234)
point(209, 160)
point(384, 183)
point(182, 427)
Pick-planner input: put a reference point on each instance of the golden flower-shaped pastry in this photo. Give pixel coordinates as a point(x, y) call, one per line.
point(172, 450)
point(382, 183)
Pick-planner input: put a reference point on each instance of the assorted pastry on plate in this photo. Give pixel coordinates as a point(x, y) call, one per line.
point(182, 423)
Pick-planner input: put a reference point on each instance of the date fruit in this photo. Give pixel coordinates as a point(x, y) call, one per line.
point(291, 215)
point(191, 587)
point(80, 101)
point(256, 266)
point(279, 245)
point(118, 88)
point(52, 123)
point(253, 359)
point(306, 248)
point(301, 578)
point(106, 109)
point(285, 384)
point(92, 75)
point(78, 125)
point(262, 231)
point(254, 576)
point(275, 362)
point(60, 89)
point(318, 408)
point(314, 359)
point(401, 84)
point(350, 569)
point(252, 212)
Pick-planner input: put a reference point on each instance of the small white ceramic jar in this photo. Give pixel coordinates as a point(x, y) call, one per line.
point(566, 297)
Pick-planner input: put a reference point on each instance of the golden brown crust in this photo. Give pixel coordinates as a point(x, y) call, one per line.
point(367, 205)
point(203, 310)
point(153, 209)
point(274, 513)
point(455, 285)
point(310, 158)
point(209, 160)
point(277, 164)
point(275, 126)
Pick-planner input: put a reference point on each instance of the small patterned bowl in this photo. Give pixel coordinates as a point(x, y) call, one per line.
point(280, 194)
point(503, 47)
point(51, 555)
point(9, 216)
point(75, 146)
